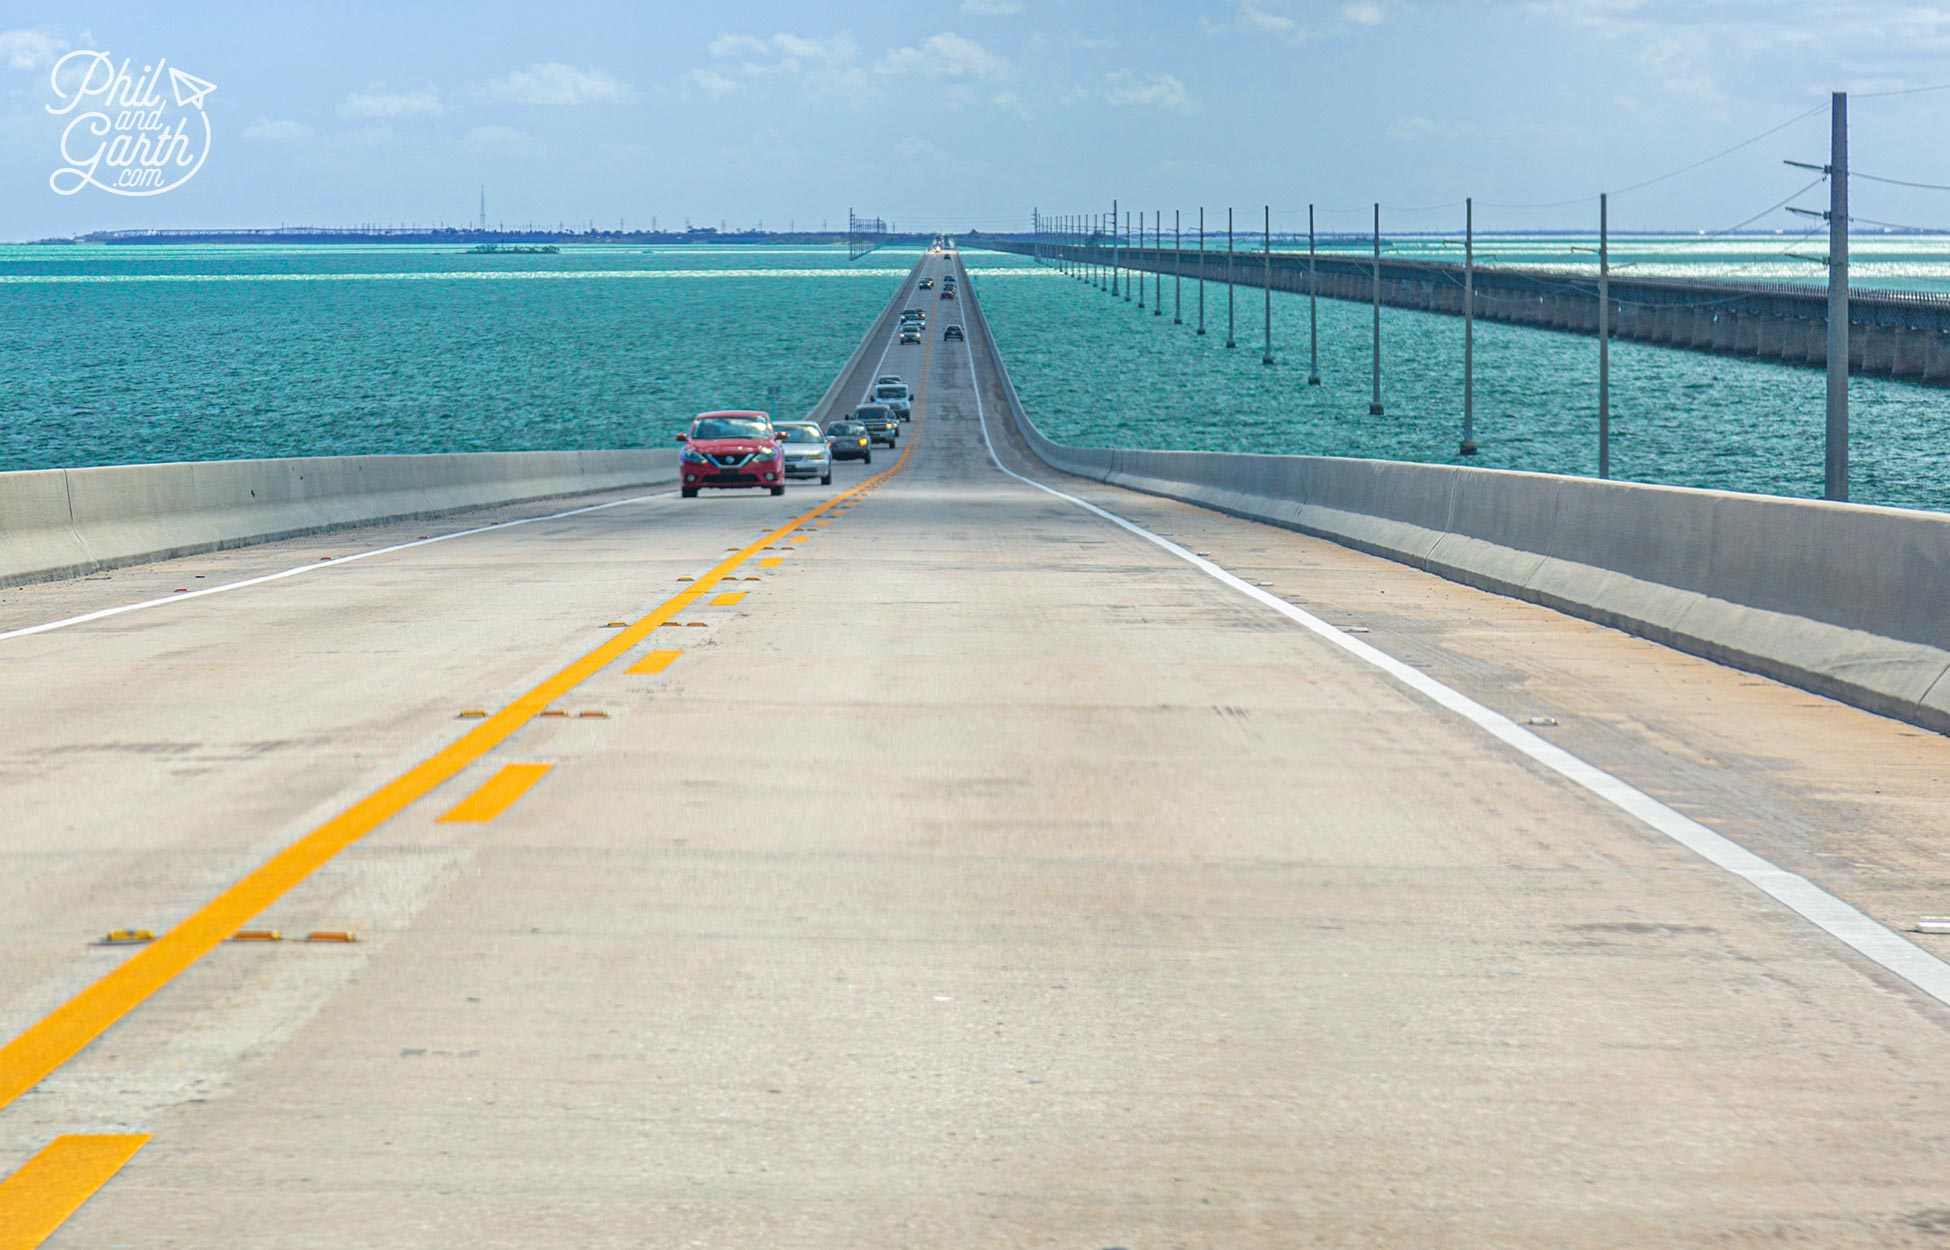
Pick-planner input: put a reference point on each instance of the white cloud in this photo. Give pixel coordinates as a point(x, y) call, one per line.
point(1009, 102)
point(502, 141)
point(553, 83)
point(825, 69)
point(946, 55)
point(1126, 88)
point(1412, 128)
point(915, 149)
point(276, 130)
point(713, 83)
point(1296, 21)
point(991, 8)
point(424, 102)
point(29, 49)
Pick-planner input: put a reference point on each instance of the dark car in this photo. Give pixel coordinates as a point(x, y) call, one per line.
point(882, 425)
point(927, 284)
point(849, 441)
point(952, 334)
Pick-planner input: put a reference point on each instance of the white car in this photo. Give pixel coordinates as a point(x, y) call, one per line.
point(895, 395)
point(806, 451)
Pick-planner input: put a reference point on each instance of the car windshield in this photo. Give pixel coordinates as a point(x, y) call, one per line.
point(840, 428)
point(731, 427)
point(872, 414)
point(890, 392)
point(799, 434)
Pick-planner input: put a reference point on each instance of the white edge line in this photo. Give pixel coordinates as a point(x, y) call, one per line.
point(1840, 920)
point(313, 567)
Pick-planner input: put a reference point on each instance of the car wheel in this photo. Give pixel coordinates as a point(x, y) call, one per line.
point(777, 491)
point(688, 492)
point(826, 479)
point(867, 459)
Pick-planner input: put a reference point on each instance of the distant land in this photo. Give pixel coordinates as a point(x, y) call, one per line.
point(707, 235)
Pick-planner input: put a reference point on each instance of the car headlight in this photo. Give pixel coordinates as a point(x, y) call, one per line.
point(691, 456)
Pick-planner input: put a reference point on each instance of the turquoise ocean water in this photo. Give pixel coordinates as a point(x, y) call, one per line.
point(132, 354)
point(1094, 371)
point(114, 355)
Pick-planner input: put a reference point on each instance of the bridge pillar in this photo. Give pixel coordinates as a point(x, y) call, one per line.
point(1876, 349)
point(1936, 356)
point(1723, 328)
point(1858, 347)
point(1771, 337)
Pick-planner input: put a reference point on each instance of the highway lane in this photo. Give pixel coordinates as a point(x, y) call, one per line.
point(153, 757)
point(988, 875)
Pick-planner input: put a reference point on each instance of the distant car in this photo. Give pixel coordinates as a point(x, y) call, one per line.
point(885, 378)
point(849, 441)
point(910, 333)
point(895, 396)
point(730, 450)
point(953, 334)
point(914, 314)
point(806, 453)
point(882, 425)
point(947, 295)
point(927, 284)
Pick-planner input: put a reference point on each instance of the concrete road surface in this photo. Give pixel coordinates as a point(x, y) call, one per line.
point(945, 867)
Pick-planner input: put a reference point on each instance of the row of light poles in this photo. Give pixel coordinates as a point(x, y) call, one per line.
point(1091, 248)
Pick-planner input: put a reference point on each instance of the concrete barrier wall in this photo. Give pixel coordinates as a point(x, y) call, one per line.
point(1851, 602)
point(66, 522)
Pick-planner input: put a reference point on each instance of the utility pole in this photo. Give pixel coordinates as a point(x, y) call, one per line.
point(1267, 252)
point(1604, 337)
point(1177, 266)
point(1131, 277)
point(1374, 404)
point(1835, 467)
point(1140, 276)
point(1157, 262)
point(1201, 271)
point(1313, 306)
point(1113, 247)
point(1469, 327)
point(1229, 341)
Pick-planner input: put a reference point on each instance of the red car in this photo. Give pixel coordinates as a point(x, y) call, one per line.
point(731, 449)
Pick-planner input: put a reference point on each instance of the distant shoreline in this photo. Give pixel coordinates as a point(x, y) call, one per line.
point(665, 238)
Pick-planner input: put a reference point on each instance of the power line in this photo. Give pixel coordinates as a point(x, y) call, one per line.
point(1898, 182)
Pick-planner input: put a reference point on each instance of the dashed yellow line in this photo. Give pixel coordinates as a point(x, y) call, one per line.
point(496, 795)
point(729, 599)
point(62, 1034)
point(53, 1184)
point(655, 662)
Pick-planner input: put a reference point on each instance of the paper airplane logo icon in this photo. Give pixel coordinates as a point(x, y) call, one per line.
point(189, 89)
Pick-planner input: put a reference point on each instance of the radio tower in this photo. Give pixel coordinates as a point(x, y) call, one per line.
point(484, 208)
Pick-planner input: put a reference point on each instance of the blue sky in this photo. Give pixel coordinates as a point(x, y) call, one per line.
point(966, 113)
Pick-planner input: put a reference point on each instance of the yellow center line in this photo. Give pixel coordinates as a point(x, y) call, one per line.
point(655, 662)
point(729, 599)
point(53, 1184)
point(771, 562)
point(495, 795)
point(64, 1032)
